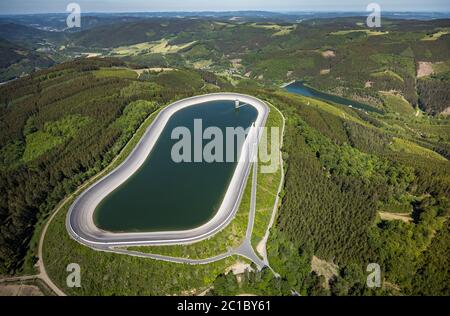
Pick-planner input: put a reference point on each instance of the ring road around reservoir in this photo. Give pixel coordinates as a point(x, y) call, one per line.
point(80, 218)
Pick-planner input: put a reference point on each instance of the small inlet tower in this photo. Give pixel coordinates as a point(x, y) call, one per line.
point(238, 104)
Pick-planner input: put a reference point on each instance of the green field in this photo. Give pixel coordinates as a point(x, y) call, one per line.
point(52, 135)
point(435, 36)
point(388, 73)
point(412, 148)
point(367, 32)
point(397, 104)
point(159, 47)
point(121, 73)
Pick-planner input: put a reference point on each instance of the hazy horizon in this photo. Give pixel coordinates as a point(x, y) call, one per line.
point(224, 11)
point(280, 6)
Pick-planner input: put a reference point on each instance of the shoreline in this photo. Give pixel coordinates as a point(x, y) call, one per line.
point(79, 220)
point(284, 85)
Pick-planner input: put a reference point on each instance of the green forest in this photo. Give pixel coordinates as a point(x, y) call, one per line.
point(52, 140)
point(359, 187)
point(335, 184)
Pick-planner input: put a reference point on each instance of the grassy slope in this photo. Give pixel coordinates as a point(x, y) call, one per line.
point(267, 185)
point(412, 148)
point(114, 274)
point(53, 134)
point(108, 274)
point(397, 104)
point(115, 72)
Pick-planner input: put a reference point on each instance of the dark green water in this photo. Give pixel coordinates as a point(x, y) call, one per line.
point(300, 88)
point(164, 195)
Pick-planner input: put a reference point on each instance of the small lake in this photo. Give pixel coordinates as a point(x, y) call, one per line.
point(165, 195)
point(299, 88)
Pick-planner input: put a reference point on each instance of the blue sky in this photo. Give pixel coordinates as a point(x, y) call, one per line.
point(41, 6)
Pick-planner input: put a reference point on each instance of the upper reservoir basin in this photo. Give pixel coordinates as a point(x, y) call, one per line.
point(299, 88)
point(163, 195)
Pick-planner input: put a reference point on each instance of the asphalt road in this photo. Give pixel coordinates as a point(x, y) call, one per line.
point(245, 249)
point(79, 220)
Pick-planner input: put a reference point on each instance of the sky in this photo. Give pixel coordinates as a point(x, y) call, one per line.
point(51, 6)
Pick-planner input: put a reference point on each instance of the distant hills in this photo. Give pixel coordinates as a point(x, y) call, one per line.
point(334, 52)
point(16, 61)
point(360, 186)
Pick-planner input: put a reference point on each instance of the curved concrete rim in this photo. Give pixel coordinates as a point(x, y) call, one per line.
point(79, 220)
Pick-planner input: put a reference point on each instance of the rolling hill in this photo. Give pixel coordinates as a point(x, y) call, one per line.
point(360, 187)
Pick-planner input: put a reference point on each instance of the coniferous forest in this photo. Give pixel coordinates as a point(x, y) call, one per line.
point(360, 187)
